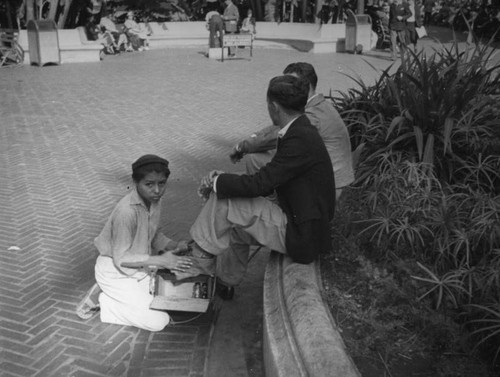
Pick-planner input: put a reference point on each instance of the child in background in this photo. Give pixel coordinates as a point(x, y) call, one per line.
point(248, 24)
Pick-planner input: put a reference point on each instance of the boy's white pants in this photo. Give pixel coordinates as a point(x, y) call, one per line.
point(125, 299)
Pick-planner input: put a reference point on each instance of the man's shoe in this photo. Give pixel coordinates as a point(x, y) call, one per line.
point(203, 263)
point(225, 292)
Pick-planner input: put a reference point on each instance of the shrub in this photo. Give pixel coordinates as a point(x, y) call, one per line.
point(428, 182)
point(441, 110)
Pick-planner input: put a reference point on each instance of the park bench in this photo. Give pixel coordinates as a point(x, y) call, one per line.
point(74, 46)
point(236, 41)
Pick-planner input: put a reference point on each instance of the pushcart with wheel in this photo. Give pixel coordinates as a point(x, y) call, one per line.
point(11, 53)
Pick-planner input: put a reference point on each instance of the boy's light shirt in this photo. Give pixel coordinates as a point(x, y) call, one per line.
point(131, 232)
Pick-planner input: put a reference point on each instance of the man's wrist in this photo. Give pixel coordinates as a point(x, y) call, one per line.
point(214, 183)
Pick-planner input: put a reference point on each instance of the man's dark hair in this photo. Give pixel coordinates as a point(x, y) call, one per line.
point(289, 91)
point(304, 70)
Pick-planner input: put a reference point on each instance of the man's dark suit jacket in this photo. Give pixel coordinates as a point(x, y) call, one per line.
point(302, 175)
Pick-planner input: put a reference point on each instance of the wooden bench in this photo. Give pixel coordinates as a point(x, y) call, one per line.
point(237, 40)
point(74, 46)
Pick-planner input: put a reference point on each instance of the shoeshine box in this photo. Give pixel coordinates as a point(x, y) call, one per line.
point(184, 295)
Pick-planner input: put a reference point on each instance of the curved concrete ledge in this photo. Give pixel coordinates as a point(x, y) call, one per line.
point(300, 336)
point(313, 38)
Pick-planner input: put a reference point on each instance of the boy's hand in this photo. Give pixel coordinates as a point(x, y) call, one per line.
point(174, 262)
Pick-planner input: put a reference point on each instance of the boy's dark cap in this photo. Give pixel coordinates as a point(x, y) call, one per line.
point(148, 159)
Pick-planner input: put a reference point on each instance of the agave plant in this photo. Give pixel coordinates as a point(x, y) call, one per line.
point(428, 181)
point(447, 286)
point(439, 109)
point(487, 325)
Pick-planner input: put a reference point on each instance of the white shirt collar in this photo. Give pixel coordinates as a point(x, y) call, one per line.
point(310, 98)
point(283, 131)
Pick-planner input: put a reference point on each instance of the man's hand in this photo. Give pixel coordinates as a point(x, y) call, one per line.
point(207, 184)
point(236, 154)
point(208, 180)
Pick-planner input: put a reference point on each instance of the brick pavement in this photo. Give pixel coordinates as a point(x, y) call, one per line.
point(68, 135)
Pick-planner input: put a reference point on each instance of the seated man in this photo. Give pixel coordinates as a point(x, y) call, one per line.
point(120, 40)
point(94, 33)
point(137, 35)
point(260, 147)
point(237, 214)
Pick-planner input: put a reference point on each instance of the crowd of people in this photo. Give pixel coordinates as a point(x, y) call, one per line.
point(130, 36)
point(399, 23)
point(118, 35)
point(483, 17)
point(295, 169)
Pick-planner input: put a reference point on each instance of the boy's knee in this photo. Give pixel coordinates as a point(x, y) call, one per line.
point(157, 321)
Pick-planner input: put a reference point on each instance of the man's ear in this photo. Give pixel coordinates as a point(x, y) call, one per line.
point(274, 105)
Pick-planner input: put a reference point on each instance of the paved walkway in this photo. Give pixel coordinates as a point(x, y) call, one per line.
point(68, 135)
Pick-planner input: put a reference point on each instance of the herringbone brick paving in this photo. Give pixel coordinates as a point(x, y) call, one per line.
point(68, 135)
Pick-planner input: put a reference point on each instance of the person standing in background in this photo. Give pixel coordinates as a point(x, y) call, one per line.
point(215, 25)
point(231, 17)
point(428, 8)
point(412, 23)
point(398, 14)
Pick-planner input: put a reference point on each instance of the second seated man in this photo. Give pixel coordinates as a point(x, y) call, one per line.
point(260, 146)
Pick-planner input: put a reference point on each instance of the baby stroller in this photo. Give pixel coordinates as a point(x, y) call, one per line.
point(380, 25)
point(11, 53)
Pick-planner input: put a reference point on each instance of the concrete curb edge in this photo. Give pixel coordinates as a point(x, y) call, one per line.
point(300, 335)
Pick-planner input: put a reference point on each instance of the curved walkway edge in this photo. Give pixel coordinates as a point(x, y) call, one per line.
point(300, 335)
